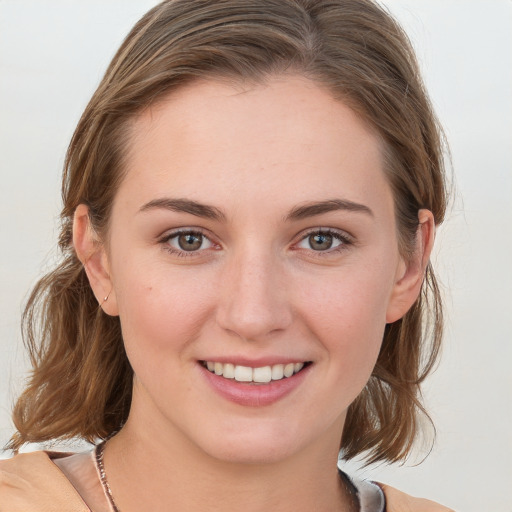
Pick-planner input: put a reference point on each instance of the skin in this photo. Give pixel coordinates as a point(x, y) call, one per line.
point(255, 288)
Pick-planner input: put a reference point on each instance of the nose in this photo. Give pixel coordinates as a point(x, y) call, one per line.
point(253, 299)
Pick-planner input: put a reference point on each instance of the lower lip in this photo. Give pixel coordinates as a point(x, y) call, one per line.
point(254, 395)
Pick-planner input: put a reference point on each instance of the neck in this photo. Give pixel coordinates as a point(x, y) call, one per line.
point(151, 464)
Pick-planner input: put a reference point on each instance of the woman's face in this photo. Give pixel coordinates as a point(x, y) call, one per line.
point(253, 235)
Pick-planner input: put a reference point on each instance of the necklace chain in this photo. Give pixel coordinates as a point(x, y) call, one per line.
point(103, 476)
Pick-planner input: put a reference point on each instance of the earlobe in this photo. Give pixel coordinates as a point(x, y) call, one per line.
point(91, 252)
point(411, 273)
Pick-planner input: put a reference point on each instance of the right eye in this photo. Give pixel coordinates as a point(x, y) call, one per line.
point(184, 242)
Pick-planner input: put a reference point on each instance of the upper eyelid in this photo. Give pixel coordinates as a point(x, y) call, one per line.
point(170, 233)
point(325, 230)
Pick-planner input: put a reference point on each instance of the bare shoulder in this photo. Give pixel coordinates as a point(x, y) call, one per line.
point(23, 462)
point(31, 481)
point(398, 501)
point(14, 472)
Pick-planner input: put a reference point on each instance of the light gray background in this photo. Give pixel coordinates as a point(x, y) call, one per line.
point(52, 55)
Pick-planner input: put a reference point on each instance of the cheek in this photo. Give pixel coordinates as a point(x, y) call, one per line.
point(161, 313)
point(348, 317)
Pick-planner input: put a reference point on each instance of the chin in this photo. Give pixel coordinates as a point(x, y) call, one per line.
point(252, 453)
point(251, 447)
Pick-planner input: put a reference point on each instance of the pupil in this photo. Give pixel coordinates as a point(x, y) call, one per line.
point(190, 242)
point(321, 241)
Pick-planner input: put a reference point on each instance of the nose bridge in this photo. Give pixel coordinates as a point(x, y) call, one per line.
point(254, 300)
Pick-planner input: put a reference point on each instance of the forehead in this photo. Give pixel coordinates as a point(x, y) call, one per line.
point(287, 139)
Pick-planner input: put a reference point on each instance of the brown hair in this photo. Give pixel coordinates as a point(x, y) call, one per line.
point(81, 380)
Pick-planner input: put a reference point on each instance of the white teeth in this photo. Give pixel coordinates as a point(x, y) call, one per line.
point(288, 370)
point(229, 371)
point(277, 372)
point(262, 374)
point(243, 373)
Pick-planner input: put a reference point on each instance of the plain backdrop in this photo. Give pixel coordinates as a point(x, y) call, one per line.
point(52, 56)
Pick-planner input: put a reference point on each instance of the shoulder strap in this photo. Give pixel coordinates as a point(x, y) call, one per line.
point(31, 481)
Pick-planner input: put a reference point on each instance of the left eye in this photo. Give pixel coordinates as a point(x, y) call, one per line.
point(321, 241)
point(189, 242)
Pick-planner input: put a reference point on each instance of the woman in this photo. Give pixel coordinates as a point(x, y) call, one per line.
point(251, 198)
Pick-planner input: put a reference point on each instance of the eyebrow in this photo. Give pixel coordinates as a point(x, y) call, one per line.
point(185, 206)
point(331, 205)
point(297, 213)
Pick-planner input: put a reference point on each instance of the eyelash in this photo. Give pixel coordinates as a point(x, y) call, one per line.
point(345, 241)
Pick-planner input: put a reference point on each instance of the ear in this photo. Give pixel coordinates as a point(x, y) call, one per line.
point(91, 252)
point(410, 274)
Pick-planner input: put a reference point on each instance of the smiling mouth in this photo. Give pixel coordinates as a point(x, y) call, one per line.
point(261, 375)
